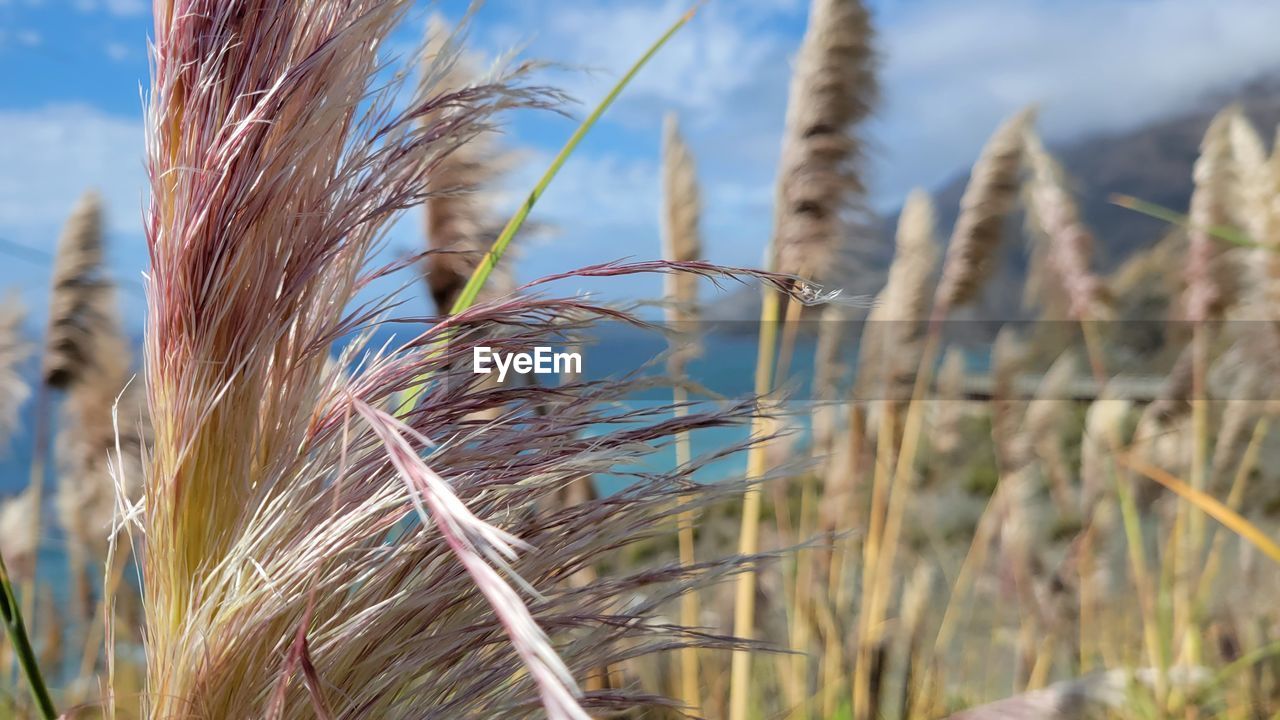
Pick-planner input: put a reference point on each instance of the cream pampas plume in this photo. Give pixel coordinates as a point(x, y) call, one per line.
point(1104, 430)
point(903, 305)
point(1054, 212)
point(989, 198)
point(1047, 415)
point(18, 535)
point(950, 407)
point(269, 191)
point(681, 238)
point(833, 88)
point(1258, 181)
point(461, 218)
point(1210, 286)
point(1008, 358)
point(77, 297)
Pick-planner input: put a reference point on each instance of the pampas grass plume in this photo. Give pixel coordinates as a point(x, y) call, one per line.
point(1055, 211)
point(989, 197)
point(833, 88)
point(78, 294)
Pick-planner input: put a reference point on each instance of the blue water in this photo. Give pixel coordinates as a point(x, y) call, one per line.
point(725, 368)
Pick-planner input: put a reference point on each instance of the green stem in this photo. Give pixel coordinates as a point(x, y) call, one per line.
point(1159, 212)
point(490, 260)
point(17, 630)
point(494, 254)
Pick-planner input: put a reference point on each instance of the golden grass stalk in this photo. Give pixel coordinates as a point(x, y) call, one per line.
point(681, 242)
point(1211, 506)
point(990, 195)
point(889, 363)
point(989, 198)
point(1235, 498)
point(832, 88)
point(460, 219)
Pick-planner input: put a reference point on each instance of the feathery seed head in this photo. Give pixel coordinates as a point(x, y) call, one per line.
point(79, 292)
point(832, 89)
point(1054, 212)
point(989, 197)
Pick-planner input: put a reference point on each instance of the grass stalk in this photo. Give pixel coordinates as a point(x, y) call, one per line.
point(880, 492)
point(749, 535)
point(1234, 498)
point(1208, 504)
point(1141, 576)
point(881, 563)
point(14, 626)
point(690, 693)
point(681, 210)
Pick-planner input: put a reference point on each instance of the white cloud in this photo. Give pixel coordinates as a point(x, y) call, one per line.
point(51, 156)
point(118, 51)
point(718, 54)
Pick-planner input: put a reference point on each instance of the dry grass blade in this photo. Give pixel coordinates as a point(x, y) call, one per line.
point(1209, 505)
point(992, 193)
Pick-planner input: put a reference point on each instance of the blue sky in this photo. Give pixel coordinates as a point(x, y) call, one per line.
point(71, 73)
